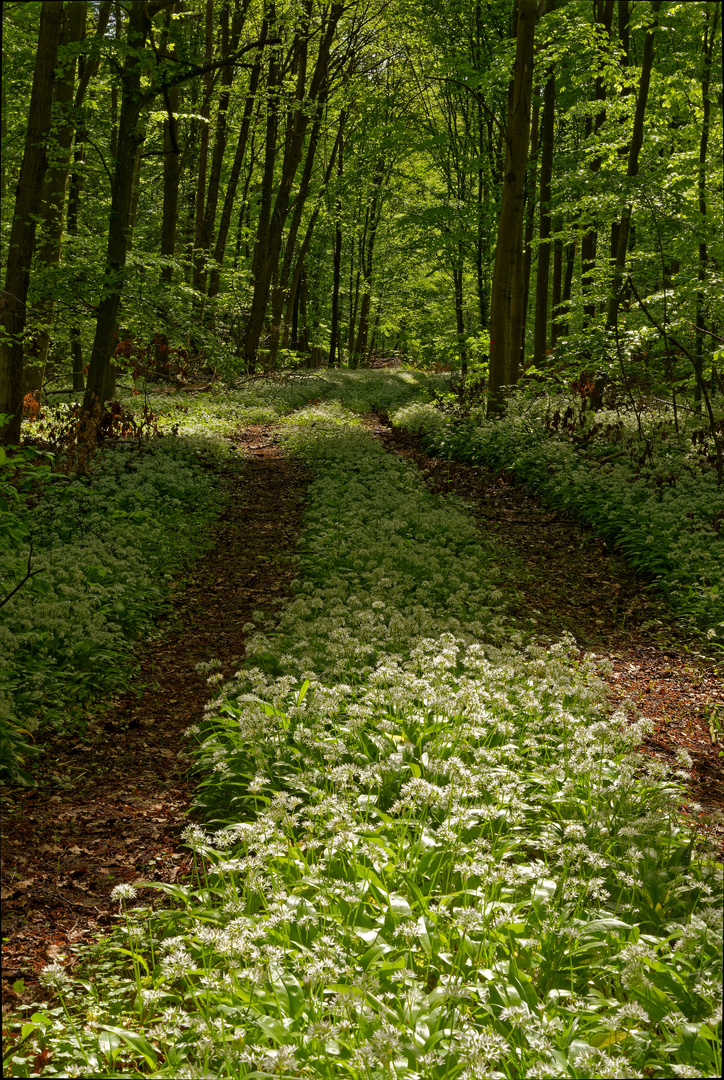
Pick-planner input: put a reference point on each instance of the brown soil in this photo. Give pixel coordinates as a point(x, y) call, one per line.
point(112, 804)
point(561, 577)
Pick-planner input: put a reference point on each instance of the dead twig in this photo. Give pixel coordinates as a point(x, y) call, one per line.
point(28, 574)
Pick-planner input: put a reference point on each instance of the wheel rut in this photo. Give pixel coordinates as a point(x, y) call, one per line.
point(110, 806)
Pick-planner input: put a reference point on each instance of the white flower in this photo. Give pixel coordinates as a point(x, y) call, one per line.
point(123, 892)
point(54, 976)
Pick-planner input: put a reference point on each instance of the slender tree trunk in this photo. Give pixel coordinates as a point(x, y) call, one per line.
point(280, 288)
point(507, 291)
point(459, 311)
point(603, 15)
point(230, 196)
point(335, 352)
point(47, 256)
point(171, 175)
point(130, 138)
point(632, 169)
point(540, 333)
point(353, 296)
point(171, 171)
point(22, 231)
point(367, 253)
point(203, 163)
point(708, 52)
point(529, 212)
point(291, 239)
point(229, 41)
point(556, 287)
point(269, 239)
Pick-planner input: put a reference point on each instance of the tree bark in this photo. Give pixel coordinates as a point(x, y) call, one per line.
point(335, 351)
point(269, 237)
point(529, 214)
point(289, 253)
point(708, 53)
point(603, 15)
point(556, 287)
point(22, 231)
point(47, 256)
point(507, 291)
point(540, 333)
point(367, 254)
point(632, 169)
point(130, 138)
point(244, 130)
point(205, 111)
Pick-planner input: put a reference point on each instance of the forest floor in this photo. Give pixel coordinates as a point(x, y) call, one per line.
point(567, 579)
point(112, 804)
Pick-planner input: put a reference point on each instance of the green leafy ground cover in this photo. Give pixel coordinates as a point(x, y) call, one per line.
point(264, 399)
point(102, 549)
point(656, 498)
point(428, 851)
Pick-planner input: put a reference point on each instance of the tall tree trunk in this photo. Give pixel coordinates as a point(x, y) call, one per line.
point(171, 167)
point(367, 254)
point(269, 239)
point(47, 256)
point(280, 288)
point(171, 175)
point(335, 351)
point(556, 287)
point(130, 138)
point(603, 16)
point(529, 212)
point(229, 41)
point(353, 295)
point(507, 291)
point(230, 196)
point(540, 333)
point(291, 239)
point(22, 231)
point(637, 138)
point(459, 311)
point(205, 112)
point(708, 52)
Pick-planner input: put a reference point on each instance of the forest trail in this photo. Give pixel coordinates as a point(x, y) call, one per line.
point(112, 804)
point(119, 794)
point(566, 579)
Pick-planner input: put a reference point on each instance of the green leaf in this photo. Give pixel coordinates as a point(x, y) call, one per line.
point(136, 1042)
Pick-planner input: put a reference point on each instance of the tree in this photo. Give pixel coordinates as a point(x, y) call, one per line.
point(22, 235)
point(507, 314)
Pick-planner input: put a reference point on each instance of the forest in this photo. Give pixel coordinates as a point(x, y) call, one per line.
point(362, 538)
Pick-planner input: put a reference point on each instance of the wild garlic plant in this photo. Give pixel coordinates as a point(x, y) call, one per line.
point(430, 851)
point(664, 511)
point(263, 400)
point(103, 547)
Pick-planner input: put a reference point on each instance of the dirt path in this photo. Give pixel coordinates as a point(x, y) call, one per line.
point(567, 579)
point(112, 804)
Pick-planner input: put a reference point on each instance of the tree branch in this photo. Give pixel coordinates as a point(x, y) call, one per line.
point(28, 574)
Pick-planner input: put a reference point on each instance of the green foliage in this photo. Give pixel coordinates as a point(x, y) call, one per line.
point(654, 497)
point(101, 549)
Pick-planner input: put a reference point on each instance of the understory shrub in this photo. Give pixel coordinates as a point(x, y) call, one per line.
point(661, 506)
point(429, 851)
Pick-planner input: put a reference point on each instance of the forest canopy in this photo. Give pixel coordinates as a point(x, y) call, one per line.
point(513, 189)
